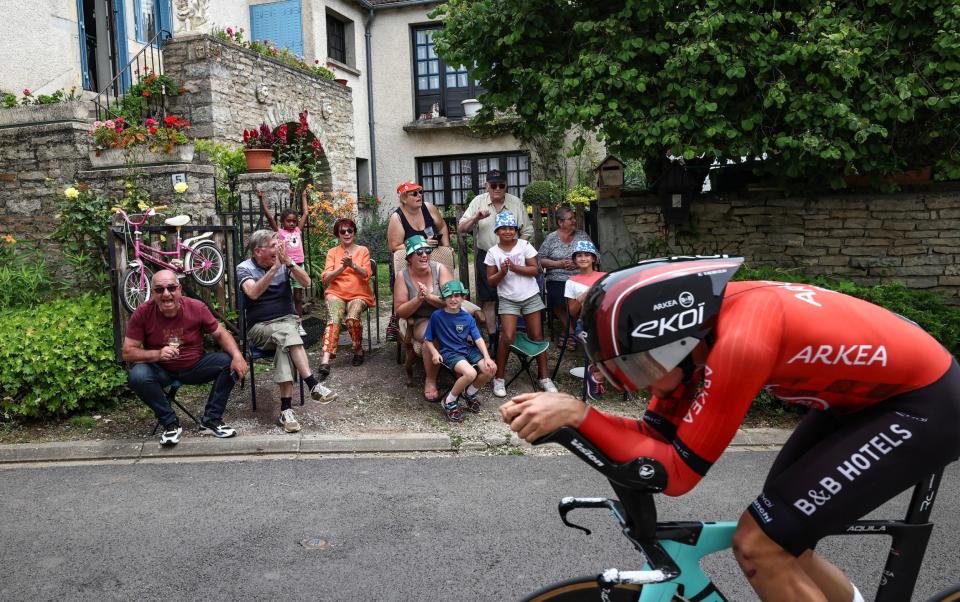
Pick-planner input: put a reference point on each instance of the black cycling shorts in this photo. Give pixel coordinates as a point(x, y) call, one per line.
point(836, 468)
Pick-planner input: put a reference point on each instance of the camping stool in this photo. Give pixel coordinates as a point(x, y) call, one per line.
point(526, 351)
point(172, 400)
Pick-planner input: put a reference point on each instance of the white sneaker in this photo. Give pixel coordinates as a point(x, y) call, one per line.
point(288, 421)
point(300, 330)
point(322, 394)
point(547, 385)
point(171, 434)
point(499, 387)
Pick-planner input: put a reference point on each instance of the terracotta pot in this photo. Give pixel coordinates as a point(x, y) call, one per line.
point(342, 82)
point(258, 159)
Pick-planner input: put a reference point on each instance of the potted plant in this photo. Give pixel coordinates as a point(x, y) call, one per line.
point(258, 148)
point(471, 107)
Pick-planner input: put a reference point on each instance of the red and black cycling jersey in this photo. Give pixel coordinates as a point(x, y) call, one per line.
point(804, 344)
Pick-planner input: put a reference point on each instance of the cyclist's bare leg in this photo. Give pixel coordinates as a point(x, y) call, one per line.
point(831, 580)
point(774, 573)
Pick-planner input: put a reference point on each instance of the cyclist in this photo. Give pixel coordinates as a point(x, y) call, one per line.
point(885, 398)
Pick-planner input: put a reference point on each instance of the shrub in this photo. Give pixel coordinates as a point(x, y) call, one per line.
point(229, 162)
point(542, 193)
point(24, 276)
point(63, 359)
point(373, 235)
point(82, 234)
point(9, 100)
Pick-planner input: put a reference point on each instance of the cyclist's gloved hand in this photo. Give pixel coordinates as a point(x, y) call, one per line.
point(535, 415)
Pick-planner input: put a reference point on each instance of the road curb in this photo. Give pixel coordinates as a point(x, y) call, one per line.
point(258, 445)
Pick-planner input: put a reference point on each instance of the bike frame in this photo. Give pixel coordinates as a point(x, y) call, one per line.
point(143, 251)
point(674, 549)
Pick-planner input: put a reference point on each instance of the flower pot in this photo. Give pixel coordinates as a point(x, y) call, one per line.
point(471, 107)
point(73, 110)
point(903, 178)
point(139, 155)
point(258, 159)
point(342, 82)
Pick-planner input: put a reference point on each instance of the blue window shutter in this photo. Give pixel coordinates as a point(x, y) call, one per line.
point(278, 22)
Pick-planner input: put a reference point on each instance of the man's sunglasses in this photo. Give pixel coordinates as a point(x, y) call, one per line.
point(347, 230)
point(170, 288)
point(497, 186)
point(424, 251)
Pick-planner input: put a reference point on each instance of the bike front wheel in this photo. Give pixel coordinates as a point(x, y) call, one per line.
point(134, 287)
point(586, 589)
point(951, 594)
point(206, 264)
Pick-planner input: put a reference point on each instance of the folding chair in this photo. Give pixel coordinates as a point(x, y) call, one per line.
point(252, 353)
point(171, 393)
point(526, 351)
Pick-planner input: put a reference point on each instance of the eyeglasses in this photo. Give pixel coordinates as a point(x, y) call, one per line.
point(170, 288)
point(497, 186)
point(423, 251)
point(347, 231)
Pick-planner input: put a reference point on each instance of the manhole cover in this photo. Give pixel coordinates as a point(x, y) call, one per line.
point(315, 543)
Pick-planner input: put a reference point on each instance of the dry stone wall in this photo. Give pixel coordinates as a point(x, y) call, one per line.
point(910, 237)
point(230, 88)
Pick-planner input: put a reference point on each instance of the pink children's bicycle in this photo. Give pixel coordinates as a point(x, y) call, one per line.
point(203, 260)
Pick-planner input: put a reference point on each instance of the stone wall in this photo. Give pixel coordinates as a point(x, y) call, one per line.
point(37, 161)
point(230, 88)
point(910, 237)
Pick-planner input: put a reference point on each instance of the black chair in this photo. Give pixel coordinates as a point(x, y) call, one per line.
point(252, 353)
point(171, 393)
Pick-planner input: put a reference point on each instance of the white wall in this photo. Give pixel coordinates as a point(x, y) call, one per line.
point(39, 45)
point(393, 95)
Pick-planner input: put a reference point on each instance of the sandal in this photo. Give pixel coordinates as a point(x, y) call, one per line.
point(357, 359)
point(452, 410)
point(323, 371)
point(471, 401)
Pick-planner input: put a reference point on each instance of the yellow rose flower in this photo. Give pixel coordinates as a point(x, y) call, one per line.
point(71, 193)
point(180, 187)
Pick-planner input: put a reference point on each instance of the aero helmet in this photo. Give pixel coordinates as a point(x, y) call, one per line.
point(642, 321)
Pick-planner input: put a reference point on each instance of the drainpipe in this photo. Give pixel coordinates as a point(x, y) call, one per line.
point(371, 127)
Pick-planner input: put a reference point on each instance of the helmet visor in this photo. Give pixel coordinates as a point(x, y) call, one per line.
point(636, 371)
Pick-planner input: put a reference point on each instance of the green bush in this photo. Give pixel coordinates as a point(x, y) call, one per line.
point(58, 358)
point(229, 162)
point(542, 193)
point(24, 275)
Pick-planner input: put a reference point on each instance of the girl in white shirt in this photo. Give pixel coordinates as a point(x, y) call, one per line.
point(512, 267)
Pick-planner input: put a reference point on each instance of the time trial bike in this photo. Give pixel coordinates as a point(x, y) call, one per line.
point(198, 256)
point(672, 550)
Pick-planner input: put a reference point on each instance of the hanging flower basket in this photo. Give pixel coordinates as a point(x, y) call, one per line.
point(258, 159)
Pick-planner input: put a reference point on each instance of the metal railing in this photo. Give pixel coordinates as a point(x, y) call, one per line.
point(148, 60)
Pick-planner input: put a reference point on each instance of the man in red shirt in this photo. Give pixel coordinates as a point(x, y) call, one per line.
point(164, 341)
point(885, 400)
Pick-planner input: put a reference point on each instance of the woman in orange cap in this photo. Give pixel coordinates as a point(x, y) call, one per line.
point(414, 216)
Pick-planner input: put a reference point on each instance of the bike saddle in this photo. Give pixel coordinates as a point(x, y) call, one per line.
point(180, 220)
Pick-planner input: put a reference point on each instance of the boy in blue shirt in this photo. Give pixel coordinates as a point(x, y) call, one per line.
point(461, 348)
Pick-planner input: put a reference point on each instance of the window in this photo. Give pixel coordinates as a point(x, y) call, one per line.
point(435, 82)
point(150, 17)
point(278, 22)
point(336, 39)
point(457, 179)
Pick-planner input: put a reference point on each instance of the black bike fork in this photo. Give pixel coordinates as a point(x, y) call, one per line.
point(909, 543)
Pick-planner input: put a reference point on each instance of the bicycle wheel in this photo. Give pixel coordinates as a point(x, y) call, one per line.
point(133, 290)
point(951, 594)
point(206, 264)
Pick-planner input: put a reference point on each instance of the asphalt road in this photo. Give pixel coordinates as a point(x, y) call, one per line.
point(426, 528)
